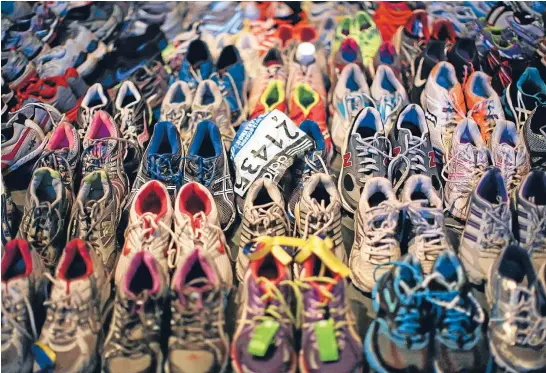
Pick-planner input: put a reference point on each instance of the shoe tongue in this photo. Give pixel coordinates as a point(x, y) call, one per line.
point(17, 288)
point(80, 286)
point(194, 292)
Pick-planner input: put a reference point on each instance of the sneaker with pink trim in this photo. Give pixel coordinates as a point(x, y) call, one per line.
point(135, 332)
point(198, 342)
point(103, 148)
point(196, 225)
point(150, 219)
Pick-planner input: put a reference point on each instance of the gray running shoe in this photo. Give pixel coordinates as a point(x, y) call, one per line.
point(376, 234)
point(8, 210)
point(95, 99)
point(102, 19)
point(21, 143)
point(263, 215)
point(62, 153)
point(198, 343)
point(23, 290)
point(47, 206)
point(72, 330)
point(534, 135)
point(530, 206)
point(366, 153)
point(176, 106)
point(517, 323)
point(207, 164)
point(423, 225)
point(133, 342)
point(488, 226)
point(209, 103)
point(318, 212)
point(95, 217)
point(133, 115)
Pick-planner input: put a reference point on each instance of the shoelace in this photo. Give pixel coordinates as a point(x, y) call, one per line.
point(366, 149)
point(57, 160)
point(321, 219)
point(537, 230)
point(140, 235)
point(196, 117)
point(14, 313)
point(268, 219)
point(49, 109)
point(130, 126)
point(430, 235)
point(497, 228)
point(414, 158)
point(177, 115)
point(530, 327)
point(485, 109)
point(39, 234)
point(379, 241)
point(508, 165)
point(160, 167)
point(389, 105)
point(205, 171)
point(94, 156)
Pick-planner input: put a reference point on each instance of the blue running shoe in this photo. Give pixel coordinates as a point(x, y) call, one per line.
point(197, 65)
point(232, 79)
point(522, 97)
point(398, 339)
point(25, 42)
point(42, 22)
point(460, 345)
point(207, 164)
point(161, 161)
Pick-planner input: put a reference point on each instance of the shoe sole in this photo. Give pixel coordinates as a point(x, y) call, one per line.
point(303, 366)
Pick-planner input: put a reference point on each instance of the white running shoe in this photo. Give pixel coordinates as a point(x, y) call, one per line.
point(389, 95)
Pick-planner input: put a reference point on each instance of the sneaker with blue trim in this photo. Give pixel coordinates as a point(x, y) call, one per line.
point(399, 338)
point(206, 162)
point(388, 94)
point(522, 97)
point(197, 64)
point(96, 98)
point(232, 80)
point(161, 160)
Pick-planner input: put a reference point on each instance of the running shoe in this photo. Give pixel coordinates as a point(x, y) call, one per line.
point(15, 10)
point(503, 67)
point(423, 65)
point(263, 215)
point(133, 115)
point(459, 16)
point(8, 214)
point(232, 80)
point(102, 19)
point(509, 154)
point(409, 40)
point(367, 35)
point(327, 314)
point(103, 148)
point(207, 163)
point(318, 212)
point(366, 153)
point(197, 65)
point(21, 143)
point(17, 70)
point(313, 161)
point(95, 217)
point(161, 161)
point(44, 115)
point(342, 32)
point(347, 52)
point(444, 106)
point(134, 340)
point(47, 207)
point(62, 153)
point(80, 49)
point(463, 55)
point(443, 31)
point(306, 92)
point(30, 45)
point(268, 91)
point(23, 287)
point(42, 22)
point(197, 226)
point(264, 338)
point(412, 149)
point(198, 342)
point(95, 99)
point(466, 162)
point(517, 312)
point(350, 96)
point(389, 95)
point(386, 55)
point(377, 237)
point(80, 292)
point(530, 207)
point(459, 318)
point(209, 103)
point(389, 16)
point(176, 106)
point(149, 228)
point(483, 103)
point(522, 97)
point(153, 82)
point(488, 228)
point(534, 136)
point(399, 338)
point(423, 224)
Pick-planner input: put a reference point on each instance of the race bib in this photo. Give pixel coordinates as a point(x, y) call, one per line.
point(265, 147)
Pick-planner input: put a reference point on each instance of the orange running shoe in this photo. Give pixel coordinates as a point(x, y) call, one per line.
point(389, 16)
point(483, 103)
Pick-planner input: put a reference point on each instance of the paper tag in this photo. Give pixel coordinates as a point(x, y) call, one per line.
point(262, 337)
point(265, 147)
point(326, 340)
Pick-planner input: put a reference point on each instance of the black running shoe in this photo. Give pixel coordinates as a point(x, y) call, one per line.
point(423, 64)
point(463, 55)
point(534, 135)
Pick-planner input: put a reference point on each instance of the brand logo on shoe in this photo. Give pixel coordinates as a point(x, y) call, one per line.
point(126, 74)
point(418, 81)
point(347, 160)
point(397, 151)
point(431, 159)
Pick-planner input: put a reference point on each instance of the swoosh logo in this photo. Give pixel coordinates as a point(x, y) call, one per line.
point(418, 81)
point(125, 74)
